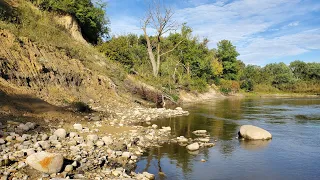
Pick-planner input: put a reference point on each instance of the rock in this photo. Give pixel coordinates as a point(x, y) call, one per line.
point(209, 144)
point(44, 137)
point(61, 133)
point(29, 151)
point(73, 134)
point(166, 128)
point(193, 147)
point(126, 154)
point(118, 153)
point(53, 138)
point(107, 140)
point(30, 125)
point(92, 138)
point(182, 139)
point(203, 160)
point(99, 143)
point(68, 168)
point(77, 127)
point(154, 126)
point(179, 109)
point(205, 140)
point(2, 141)
point(45, 162)
point(74, 164)
point(21, 165)
point(148, 175)
point(134, 157)
point(44, 144)
point(253, 133)
point(148, 119)
point(199, 132)
point(95, 118)
point(23, 127)
point(9, 138)
point(116, 173)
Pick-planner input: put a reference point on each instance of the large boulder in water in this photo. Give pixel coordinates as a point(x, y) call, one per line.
point(45, 162)
point(253, 133)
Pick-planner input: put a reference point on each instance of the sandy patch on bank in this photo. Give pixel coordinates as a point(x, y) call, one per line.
point(188, 97)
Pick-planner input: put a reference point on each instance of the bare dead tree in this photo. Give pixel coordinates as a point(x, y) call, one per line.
point(159, 18)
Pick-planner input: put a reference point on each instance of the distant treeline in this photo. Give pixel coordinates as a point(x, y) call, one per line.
point(193, 66)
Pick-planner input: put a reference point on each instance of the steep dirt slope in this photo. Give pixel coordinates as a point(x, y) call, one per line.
point(50, 73)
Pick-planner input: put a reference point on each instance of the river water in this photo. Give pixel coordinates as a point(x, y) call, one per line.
point(293, 153)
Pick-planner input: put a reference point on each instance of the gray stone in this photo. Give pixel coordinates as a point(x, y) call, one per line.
point(61, 133)
point(23, 127)
point(2, 141)
point(30, 125)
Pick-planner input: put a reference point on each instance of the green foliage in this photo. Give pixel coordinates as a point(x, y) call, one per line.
point(229, 86)
point(228, 54)
point(8, 13)
point(247, 85)
point(91, 17)
point(298, 77)
point(189, 66)
point(125, 49)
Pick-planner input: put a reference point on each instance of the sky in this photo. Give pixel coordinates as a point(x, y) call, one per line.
point(264, 31)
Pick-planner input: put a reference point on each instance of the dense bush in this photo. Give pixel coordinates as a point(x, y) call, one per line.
point(229, 86)
point(91, 17)
point(8, 13)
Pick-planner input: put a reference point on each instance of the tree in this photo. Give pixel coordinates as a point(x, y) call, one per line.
point(160, 19)
point(228, 54)
point(91, 17)
point(280, 74)
point(299, 69)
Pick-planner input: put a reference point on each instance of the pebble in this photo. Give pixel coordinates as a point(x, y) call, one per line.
point(77, 127)
point(68, 168)
point(61, 133)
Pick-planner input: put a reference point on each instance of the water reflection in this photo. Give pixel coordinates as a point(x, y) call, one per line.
point(254, 145)
point(222, 119)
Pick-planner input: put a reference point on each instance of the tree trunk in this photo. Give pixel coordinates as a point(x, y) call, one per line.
point(150, 53)
point(158, 57)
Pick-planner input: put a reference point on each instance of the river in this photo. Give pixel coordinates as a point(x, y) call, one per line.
point(293, 153)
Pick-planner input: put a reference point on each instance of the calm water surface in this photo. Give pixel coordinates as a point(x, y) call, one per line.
point(293, 153)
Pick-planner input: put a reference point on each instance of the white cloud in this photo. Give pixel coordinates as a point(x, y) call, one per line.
point(242, 22)
point(247, 24)
point(296, 23)
point(261, 49)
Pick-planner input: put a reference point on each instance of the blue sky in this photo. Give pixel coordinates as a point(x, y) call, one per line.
point(264, 31)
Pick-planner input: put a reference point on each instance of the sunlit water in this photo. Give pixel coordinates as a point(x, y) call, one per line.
point(293, 153)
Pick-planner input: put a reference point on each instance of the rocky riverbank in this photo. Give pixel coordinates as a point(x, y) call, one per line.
point(94, 148)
